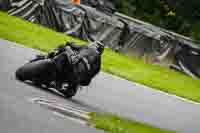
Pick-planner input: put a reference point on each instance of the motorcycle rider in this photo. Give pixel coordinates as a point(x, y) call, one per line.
point(75, 65)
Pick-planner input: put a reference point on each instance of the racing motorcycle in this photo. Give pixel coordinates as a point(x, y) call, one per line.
point(42, 71)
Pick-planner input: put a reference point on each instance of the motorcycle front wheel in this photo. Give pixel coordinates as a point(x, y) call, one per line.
point(43, 71)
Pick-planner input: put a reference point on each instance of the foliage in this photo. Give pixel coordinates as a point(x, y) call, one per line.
point(180, 16)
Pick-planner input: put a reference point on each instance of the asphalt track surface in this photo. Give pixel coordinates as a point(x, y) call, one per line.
point(106, 93)
point(18, 113)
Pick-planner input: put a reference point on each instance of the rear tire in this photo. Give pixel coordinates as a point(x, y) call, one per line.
point(69, 92)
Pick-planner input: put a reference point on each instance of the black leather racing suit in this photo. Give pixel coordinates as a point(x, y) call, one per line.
point(77, 65)
point(87, 64)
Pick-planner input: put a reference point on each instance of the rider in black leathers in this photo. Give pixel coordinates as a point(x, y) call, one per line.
point(72, 64)
point(76, 64)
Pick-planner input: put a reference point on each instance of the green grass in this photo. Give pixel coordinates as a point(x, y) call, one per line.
point(114, 124)
point(160, 78)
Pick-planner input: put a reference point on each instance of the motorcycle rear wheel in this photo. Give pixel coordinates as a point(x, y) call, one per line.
point(69, 91)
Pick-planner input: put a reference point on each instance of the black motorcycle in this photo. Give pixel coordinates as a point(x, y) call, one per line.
point(42, 71)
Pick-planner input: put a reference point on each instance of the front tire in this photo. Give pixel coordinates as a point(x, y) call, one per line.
point(40, 71)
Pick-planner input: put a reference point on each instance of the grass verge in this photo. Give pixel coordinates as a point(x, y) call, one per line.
point(35, 36)
point(114, 124)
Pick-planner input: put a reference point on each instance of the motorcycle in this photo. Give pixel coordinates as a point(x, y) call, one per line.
point(42, 71)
